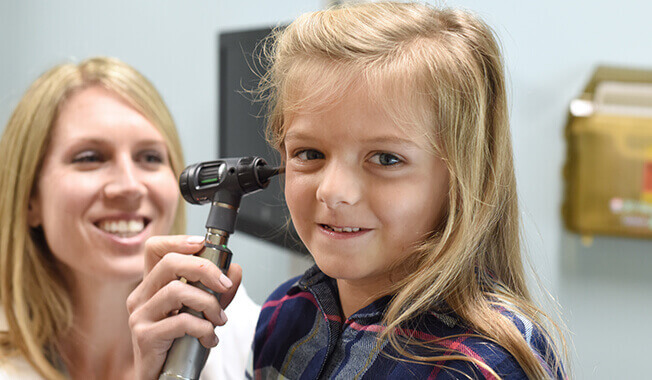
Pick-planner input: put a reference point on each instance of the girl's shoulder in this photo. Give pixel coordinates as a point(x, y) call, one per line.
point(457, 351)
point(450, 335)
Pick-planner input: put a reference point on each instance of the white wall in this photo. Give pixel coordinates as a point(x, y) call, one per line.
point(551, 48)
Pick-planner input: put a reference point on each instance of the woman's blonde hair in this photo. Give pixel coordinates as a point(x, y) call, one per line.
point(442, 69)
point(34, 298)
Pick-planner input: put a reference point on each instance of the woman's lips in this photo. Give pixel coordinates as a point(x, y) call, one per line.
point(124, 231)
point(122, 227)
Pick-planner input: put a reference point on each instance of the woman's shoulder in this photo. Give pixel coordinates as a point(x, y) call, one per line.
point(16, 367)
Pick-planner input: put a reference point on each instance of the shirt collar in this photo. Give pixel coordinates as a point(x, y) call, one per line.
point(314, 277)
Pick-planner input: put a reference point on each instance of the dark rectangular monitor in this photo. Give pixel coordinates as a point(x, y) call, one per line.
point(242, 133)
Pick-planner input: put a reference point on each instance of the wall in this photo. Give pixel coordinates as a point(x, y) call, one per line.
point(604, 290)
point(551, 48)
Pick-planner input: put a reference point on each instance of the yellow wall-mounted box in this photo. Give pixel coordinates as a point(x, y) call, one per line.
point(608, 172)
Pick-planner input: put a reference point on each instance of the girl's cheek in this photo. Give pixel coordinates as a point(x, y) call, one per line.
point(292, 190)
point(297, 192)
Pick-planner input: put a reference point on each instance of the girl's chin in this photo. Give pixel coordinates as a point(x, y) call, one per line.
point(341, 269)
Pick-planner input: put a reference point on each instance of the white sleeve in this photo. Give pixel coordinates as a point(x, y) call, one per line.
point(17, 368)
point(230, 358)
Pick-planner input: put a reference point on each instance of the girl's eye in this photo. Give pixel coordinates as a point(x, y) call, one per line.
point(87, 157)
point(385, 159)
point(310, 154)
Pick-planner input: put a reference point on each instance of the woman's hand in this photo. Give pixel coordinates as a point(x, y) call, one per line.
point(153, 305)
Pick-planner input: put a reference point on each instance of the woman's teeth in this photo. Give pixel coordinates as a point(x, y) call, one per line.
point(123, 228)
point(343, 229)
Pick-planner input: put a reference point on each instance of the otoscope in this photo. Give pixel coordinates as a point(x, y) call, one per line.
point(223, 183)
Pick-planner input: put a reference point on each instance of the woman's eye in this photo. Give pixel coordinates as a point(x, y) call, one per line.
point(152, 157)
point(385, 159)
point(310, 154)
point(87, 157)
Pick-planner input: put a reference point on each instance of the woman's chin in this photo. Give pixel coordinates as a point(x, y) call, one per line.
point(126, 269)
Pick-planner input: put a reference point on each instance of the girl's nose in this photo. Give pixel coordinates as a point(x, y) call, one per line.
point(339, 186)
point(126, 183)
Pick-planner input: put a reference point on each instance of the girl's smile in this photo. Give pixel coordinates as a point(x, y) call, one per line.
point(335, 232)
point(362, 192)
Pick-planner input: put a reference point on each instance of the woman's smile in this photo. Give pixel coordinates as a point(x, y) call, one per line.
point(105, 187)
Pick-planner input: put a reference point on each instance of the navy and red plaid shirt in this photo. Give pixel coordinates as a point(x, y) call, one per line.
point(301, 335)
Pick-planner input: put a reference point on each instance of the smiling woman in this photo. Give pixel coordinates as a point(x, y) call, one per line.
point(90, 155)
point(90, 161)
point(107, 166)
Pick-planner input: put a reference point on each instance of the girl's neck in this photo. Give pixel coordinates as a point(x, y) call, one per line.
point(355, 295)
point(99, 344)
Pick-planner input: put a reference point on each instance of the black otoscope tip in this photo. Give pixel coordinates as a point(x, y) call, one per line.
point(266, 172)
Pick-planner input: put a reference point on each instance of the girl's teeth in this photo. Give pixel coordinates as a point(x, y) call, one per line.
point(344, 229)
point(123, 227)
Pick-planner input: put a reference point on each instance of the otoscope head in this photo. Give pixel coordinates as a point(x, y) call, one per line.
point(223, 183)
point(227, 178)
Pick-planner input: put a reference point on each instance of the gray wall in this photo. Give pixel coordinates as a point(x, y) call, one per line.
point(551, 48)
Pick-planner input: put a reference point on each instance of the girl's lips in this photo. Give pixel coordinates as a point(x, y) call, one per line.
point(342, 232)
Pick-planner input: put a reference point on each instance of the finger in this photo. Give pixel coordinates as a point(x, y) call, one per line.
point(177, 294)
point(174, 266)
point(158, 246)
point(158, 337)
point(235, 274)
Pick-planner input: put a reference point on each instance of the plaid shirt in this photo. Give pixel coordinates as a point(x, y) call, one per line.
point(301, 335)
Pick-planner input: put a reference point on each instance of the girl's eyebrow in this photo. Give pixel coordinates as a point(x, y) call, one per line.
point(391, 140)
point(298, 136)
point(373, 140)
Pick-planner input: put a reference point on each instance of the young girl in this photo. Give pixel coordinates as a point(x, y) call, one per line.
point(392, 119)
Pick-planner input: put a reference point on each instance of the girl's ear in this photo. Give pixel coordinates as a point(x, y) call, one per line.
point(34, 212)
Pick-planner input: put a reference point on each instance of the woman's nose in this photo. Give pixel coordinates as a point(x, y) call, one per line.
point(339, 186)
point(125, 182)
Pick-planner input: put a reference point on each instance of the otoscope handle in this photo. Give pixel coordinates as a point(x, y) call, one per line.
point(187, 356)
point(222, 183)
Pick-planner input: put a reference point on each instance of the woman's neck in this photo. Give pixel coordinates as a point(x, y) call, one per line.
point(99, 344)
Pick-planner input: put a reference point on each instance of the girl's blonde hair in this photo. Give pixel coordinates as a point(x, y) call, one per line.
point(442, 69)
point(34, 298)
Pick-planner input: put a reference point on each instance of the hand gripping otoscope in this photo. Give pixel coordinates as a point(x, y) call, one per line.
point(223, 183)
